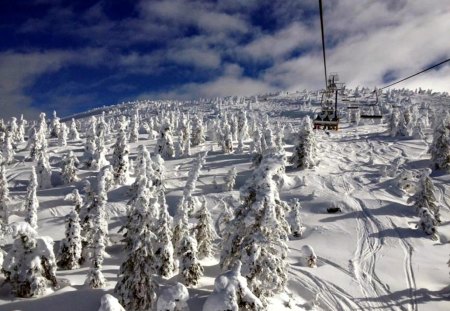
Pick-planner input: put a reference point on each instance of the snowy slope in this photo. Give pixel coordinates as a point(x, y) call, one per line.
point(371, 256)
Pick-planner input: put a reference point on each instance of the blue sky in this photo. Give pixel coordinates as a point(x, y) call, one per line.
point(74, 55)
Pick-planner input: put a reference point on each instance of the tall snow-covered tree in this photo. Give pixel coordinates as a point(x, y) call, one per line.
point(198, 131)
point(440, 147)
point(181, 225)
point(164, 263)
point(70, 248)
point(73, 131)
point(69, 167)
point(296, 220)
point(134, 127)
point(21, 130)
point(76, 199)
point(43, 170)
point(230, 179)
point(159, 171)
point(8, 149)
point(304, 155)
point(190, 268)
point(30, 265)
point(90, 146)
point(62, 135)
point(95, 278)
point(4, 196)
point(120, 161)
point(258, 234)
point(55, 126)
point(99, 160)
point(204, 231)
point(31, 200)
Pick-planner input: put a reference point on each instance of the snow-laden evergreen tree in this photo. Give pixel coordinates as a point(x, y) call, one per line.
point(73, 131)
point(440, 147)
point(230, 179)
point(110, 303)
point(42, 125)
point(134, 127)
point(402, 128)
point(232, 293)
point(164, 263)
point(180, 225)
point(304, 155)
point(393, 123)
point(191, 182)
point(32, 143)
point(198, 131)
point(136, 288)
point(258, 234)
point(103, 127)
point(159, 171)
point(69, 167)
point(204, 231)
point(226, 140)
point(21, 130)
point(173, 298)
point(164, 144)
point(120, 161)
point(428, 222)
point(55, 126)
point(43, 170)
point(90, 146)
point(243, 125)
point(31, 201)
point(425, 196)
point(70, 248)
point(76, 199)
point(95, 278)
point(8, 149)
point(99, 160)
point(4, 196)
point(14, 130)
point(190, 268)
point(62, 136)
point(30, 265)
point(296, 219)
point(224, 218)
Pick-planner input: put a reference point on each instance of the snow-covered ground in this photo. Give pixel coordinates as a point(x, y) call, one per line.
point(370, 255)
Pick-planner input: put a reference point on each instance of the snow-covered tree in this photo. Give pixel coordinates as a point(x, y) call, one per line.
point(55, 126)
point(43, 170)
point(95, 278)
point(4, 196)
point(134, 127)
point(173, 298)
point(73, 131)
point(164, 144)
point(99, 160)
point(31, 201)
point(440, 147)
point(136, 288)
point(120, 161)
point(180, 226)
point(70, 248)
point(8, 149)
point(425, 196)
point(90, 146)
point(296, 220)
point(232, 293)
point(258, 234)
point(159, 171)
point(308, 257)
point(62, 136)
point(190, 268)
point(428, 222)
point(69, 167)
point(198, 131)
point(30, 265)
point(393, 123)
point(226, 140)
point(230, 179)
point(110, 303)
point(76, 199)
point(204, 231)
point(304, 155)
point(164, 263)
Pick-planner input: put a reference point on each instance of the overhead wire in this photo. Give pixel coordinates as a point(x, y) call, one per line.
point(323, 43)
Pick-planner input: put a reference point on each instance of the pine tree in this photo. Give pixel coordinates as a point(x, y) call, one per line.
point(43, 170)
point(296, 220)
point(90, 146)
point(95, 278)
point(30, 265)
point(230, 179)
point(204, 231)
point(99, 160)
point(55, 126)
point(190, 268)
point(120, 162)
point(62, 136)
point(31, 201)
point(164, 144)
point(198, 131)
point(70, 247)
point(428, 222)
point(4, 196)
point(134, 127)
point(305, 151)
point(76, 199)
point(8, 149)
point(69, 168)
point(73, 131)
point(173, 298)
point(181, 225)
point(159, 171)
point(164, 263)
point(440, 147)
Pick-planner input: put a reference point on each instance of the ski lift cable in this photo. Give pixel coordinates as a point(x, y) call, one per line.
point(323, 43)
point(416, 74)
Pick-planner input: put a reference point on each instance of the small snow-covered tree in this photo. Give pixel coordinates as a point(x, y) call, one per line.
point(95, 278)
point(440, 147)
point(308, 257)
point(69, 167)
point(4, 196)
point(230, 179)
point(425, 196)
point(110, 303)
point(164, 263)
point(76, 199)
point(31, 201)
point(159, 171)
point(198, 131)
point(181, 225)
point(232, 293)
point(304, 155)
point(120, 161)
point(164, 144)
point(62, 136)
point(204, 231)
point(99, 160)
point(134, 127)
point(90, 146)
point(393, 123)
point(226, 140)
point(296, 220)
point(173, 298)
point(70, 248)
point(8, 149)
point(43, 170)
point(30, 265)
point(428, 222)
point(73, 131)
point(21, 130)
point(55, 126)
point(190, 268)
